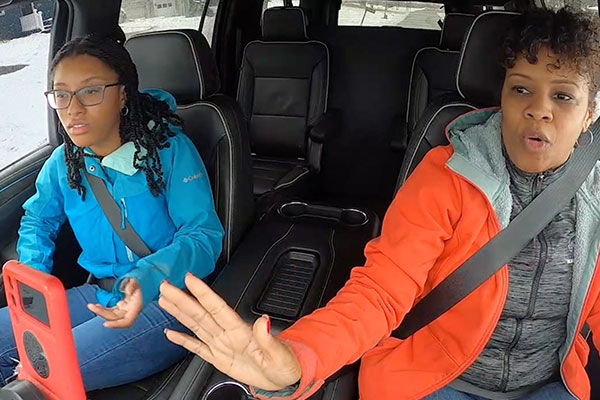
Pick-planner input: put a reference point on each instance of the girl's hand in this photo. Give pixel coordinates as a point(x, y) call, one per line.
point(125, 312)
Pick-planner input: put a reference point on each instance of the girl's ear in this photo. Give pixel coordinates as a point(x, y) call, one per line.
point(123, 96)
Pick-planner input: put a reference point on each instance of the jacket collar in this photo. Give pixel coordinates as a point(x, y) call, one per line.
point(476, 138)
point(121, 160)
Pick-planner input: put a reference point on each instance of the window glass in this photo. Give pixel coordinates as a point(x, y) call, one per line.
point(278, 3)
point(24, 47)
point(405, 14)
point(139, 16)
point(585, 5)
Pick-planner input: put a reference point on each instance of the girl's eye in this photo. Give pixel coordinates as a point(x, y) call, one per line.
point(91, 91)
point(520, 90)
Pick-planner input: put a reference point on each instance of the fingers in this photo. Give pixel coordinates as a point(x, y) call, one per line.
point(262, 334)
point(224, 315)
point(191, 344)
point(274, 352)
point(131, 287)
point(109, 314)
point(123, 315)
point(122, 323)
point(189, 312)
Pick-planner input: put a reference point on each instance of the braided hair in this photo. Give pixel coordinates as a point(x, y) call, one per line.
point(144, 119)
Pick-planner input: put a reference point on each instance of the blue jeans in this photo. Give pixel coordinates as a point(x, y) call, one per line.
point(552, 391)
point(107, 357)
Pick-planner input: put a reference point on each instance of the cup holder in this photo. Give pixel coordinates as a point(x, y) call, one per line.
point(346, 216)
point(293, 209)
point(228, 390)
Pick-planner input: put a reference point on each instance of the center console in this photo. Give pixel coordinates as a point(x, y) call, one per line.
point(292, 262)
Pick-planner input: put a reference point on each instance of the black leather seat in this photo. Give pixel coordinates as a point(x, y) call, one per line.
point(433, 75)
point(479, 79)
point(282, 91)
point(454, 30)
point(181, 62)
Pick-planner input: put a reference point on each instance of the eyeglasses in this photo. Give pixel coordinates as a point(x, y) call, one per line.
point(87, 96)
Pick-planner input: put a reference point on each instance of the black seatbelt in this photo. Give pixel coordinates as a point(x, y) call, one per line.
point(113, 213)
point(503, 247)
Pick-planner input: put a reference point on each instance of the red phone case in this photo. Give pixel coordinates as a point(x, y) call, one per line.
point(53, 368)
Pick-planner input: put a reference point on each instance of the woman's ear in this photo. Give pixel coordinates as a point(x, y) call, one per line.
point(589, 116)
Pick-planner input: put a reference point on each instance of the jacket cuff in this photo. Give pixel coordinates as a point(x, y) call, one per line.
point(307, 385)
point(148, 284)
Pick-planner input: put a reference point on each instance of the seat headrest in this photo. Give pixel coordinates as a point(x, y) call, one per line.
point(284, 23)
point(480, 73)
point(178, 61)
point(454, 30)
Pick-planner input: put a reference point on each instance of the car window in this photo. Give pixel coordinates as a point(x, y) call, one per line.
point(24, 48)
point(584, 5)
point(139, 16)
point(405, 14)
point(278, 3)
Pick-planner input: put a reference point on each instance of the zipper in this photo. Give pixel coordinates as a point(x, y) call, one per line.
point(123, 219)
point(537, 188)
point(123, 214)
point(530, 308)
point(504, 273)
point(506, 366)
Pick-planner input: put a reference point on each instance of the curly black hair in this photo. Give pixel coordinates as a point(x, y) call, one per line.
point(135, 125)
point(571, 36)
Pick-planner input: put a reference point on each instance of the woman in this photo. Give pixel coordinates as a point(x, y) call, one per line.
point(515, 337)
point(134, 143)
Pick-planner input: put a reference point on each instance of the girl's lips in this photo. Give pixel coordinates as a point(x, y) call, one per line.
point(78, 128)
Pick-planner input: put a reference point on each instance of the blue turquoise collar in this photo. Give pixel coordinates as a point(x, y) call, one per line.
point(121, 159)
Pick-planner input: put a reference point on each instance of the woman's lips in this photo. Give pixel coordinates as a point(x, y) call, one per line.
point(536, 142)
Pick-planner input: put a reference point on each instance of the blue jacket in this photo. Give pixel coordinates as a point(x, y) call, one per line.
point(180, 226)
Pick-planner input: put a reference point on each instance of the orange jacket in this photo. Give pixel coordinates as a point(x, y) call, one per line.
point(456, 200)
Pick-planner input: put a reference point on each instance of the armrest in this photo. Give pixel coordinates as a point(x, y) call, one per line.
point(326, 126)
point(343, 385)
point(17, 390)
point(399, 131)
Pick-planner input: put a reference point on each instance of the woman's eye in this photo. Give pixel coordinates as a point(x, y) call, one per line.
point(520, 90)
point(563, 97)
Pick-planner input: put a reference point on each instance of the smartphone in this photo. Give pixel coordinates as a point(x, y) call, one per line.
point(39, 314)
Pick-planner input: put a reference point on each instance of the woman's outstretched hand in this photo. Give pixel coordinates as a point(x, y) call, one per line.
point(249, 354)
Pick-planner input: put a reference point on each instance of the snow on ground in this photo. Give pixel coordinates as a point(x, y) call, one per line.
point(23, 106)
point(141, 25)
point(423, 16)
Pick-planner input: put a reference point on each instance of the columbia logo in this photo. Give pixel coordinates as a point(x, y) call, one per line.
point(192, 178)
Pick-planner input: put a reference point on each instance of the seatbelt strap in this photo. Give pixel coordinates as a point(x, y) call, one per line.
point(113, 213)
point(505, 245)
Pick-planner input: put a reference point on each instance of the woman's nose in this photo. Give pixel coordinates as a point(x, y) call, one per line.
point(539, 109)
